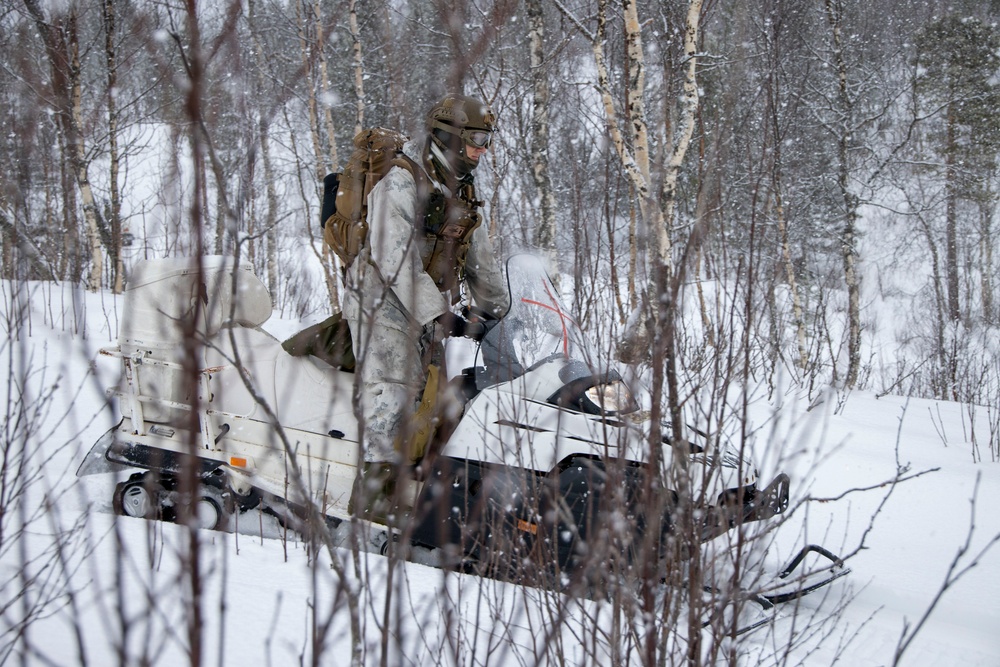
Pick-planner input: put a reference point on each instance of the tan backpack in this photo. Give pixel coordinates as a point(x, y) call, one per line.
point(345, 218)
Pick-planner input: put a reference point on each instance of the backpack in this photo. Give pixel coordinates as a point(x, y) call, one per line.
point(344, 216)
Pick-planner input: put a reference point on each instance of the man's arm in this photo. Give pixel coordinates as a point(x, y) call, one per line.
point(394, 250)
point(489, 289)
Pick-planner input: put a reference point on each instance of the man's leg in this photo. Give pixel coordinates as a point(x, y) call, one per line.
point(391, 381)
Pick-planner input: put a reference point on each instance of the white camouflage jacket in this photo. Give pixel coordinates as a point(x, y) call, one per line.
point(386, 284)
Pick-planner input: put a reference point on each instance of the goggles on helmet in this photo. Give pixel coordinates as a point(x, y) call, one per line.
point(473, 136)
point(477, 138)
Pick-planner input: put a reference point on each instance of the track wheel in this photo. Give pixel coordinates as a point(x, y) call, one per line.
point(137, 497)
point(212, 510)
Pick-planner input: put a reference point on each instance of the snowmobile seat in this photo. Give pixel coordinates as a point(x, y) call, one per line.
point(303, 392)
point(168, 301)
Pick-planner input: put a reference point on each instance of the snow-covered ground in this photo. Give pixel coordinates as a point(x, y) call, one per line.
point(101, 590)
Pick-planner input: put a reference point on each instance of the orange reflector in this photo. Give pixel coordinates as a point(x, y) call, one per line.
point(527, 527)
point(238, 461)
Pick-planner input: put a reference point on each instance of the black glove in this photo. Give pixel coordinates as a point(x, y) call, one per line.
point(450, 324)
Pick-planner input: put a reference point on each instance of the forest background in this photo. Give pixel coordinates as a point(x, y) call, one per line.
point(734, 195)
point(811, 159)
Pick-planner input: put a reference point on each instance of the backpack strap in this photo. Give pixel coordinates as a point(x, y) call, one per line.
point(424, 185)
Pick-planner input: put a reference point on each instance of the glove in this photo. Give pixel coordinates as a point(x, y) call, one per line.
point(450, 324)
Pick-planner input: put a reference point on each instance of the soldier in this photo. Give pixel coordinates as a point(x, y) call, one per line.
point(425, 242)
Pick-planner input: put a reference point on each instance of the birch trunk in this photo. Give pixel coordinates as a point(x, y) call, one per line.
point(633, 257)
point(848, 247)
point(951, 218)
point(986, 250)
point(544, 236)
point(786, 260)
point(325, 254)
point(65, 220)
point(639, 181)
point(359, 70)
point(115, 222)
point(264, 129)
point(685, 125)
point(62, 48)
point(324, 86)
point(655, 217)
point(311, 102)
point(636, 163)
point(636, 113)
point(81, 166)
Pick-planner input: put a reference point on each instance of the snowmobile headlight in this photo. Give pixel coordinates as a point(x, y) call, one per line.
point(610, 398)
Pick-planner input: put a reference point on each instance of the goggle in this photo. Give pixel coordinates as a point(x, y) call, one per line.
point(477, 138)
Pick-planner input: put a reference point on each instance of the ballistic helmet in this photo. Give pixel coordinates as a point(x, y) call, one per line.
point(457, 121)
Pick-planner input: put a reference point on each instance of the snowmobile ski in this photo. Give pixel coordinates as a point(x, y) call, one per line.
point(809, 581)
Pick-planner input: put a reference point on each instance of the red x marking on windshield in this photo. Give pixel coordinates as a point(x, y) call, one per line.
point(554, 307)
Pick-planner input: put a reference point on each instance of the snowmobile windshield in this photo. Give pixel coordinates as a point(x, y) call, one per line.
point(536, 329)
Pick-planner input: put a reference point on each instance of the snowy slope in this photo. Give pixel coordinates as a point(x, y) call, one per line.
point(96, 587)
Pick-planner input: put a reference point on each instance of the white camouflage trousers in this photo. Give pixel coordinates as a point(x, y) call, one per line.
point(391, 381)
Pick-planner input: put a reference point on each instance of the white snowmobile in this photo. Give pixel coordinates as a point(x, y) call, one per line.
point(549, 450)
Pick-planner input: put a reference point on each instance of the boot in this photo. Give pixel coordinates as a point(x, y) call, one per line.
point(372, 497)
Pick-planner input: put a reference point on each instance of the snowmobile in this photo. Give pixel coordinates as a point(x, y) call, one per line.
point(548, 451)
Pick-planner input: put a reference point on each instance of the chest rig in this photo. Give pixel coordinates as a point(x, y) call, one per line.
point(445, 227)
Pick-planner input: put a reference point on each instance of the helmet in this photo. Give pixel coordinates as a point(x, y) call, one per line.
point(458, 120)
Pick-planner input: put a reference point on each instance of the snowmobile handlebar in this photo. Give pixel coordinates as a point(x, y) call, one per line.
point(451, 324)
point(479, 322)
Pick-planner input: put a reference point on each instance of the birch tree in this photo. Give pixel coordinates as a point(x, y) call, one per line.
point(109, 16)
point(776, 99)
point(634, 153)
point(325, 95)
point(657, 205)
point(660, 307)
point(316, 91)
point(958, 59)
point(359, 67)
point(264, 125)
point(848, 234)
point(60, 34)
point(545, 230)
